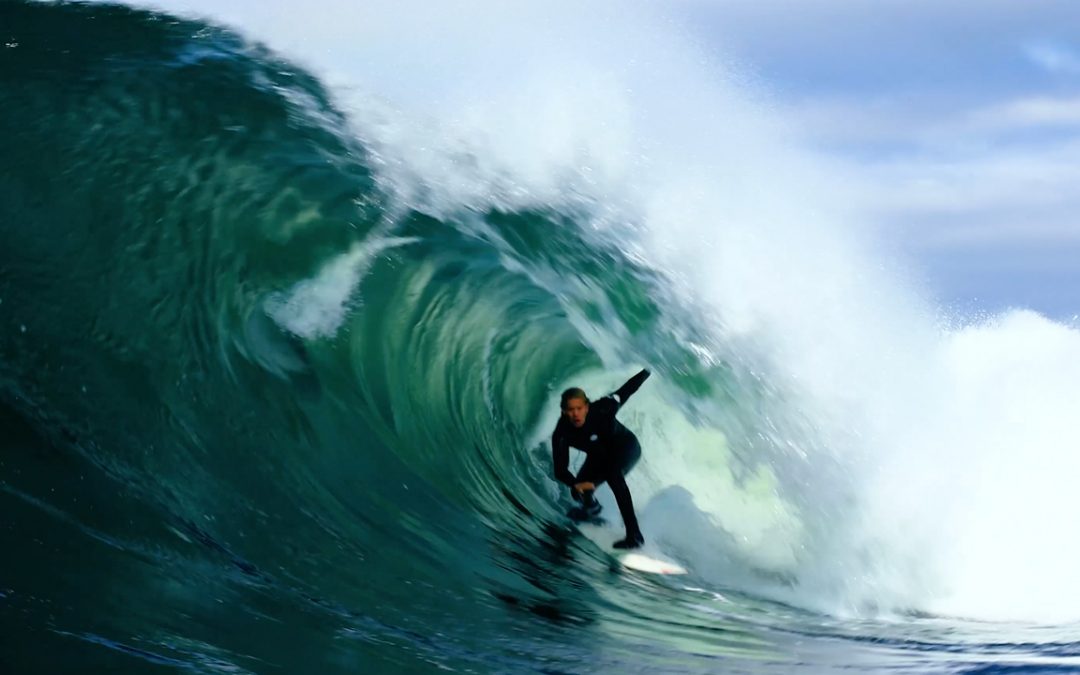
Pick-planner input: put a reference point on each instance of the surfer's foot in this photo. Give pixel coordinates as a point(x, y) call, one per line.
point(631, 541)
point(586, 512)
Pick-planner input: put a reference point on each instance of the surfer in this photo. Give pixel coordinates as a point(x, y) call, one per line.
point(611, 451)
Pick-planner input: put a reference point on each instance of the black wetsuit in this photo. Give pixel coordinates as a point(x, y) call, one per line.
point(611, 449)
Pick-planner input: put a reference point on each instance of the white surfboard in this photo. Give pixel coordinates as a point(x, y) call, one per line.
point(643, 563)
point(641, 560)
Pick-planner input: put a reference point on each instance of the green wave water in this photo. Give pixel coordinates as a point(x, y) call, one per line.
point(263, 415)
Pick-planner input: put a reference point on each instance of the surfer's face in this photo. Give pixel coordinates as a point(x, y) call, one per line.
point(576, 409)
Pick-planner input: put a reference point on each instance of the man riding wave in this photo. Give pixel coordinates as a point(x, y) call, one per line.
point(611, 451)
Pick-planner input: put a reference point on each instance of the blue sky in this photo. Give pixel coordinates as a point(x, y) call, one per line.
point(963, 118)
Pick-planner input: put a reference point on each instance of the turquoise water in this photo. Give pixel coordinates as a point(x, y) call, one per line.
point(263, 414)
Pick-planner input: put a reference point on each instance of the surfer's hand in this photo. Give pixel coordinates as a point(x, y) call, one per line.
point(581, 488)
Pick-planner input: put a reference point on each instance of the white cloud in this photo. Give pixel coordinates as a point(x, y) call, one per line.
point(1026, 195)
point(930, 122)
point(942, 175)
point(978, 183)
point(1053, 57)
point(1027, 113)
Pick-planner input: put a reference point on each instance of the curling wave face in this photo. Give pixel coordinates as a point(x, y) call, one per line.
point(246, 382)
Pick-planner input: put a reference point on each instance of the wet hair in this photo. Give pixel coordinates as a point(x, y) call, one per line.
point(572, 393)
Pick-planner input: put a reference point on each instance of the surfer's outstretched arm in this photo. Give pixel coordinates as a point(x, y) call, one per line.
point(624, 392)
point(560, 458)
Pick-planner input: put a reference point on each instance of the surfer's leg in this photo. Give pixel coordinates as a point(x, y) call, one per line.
point(629, 456)
point(625, 502)
point(634, 537)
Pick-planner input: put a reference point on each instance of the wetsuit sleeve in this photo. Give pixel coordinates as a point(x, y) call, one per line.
point(624, 392)
point(560, 457)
